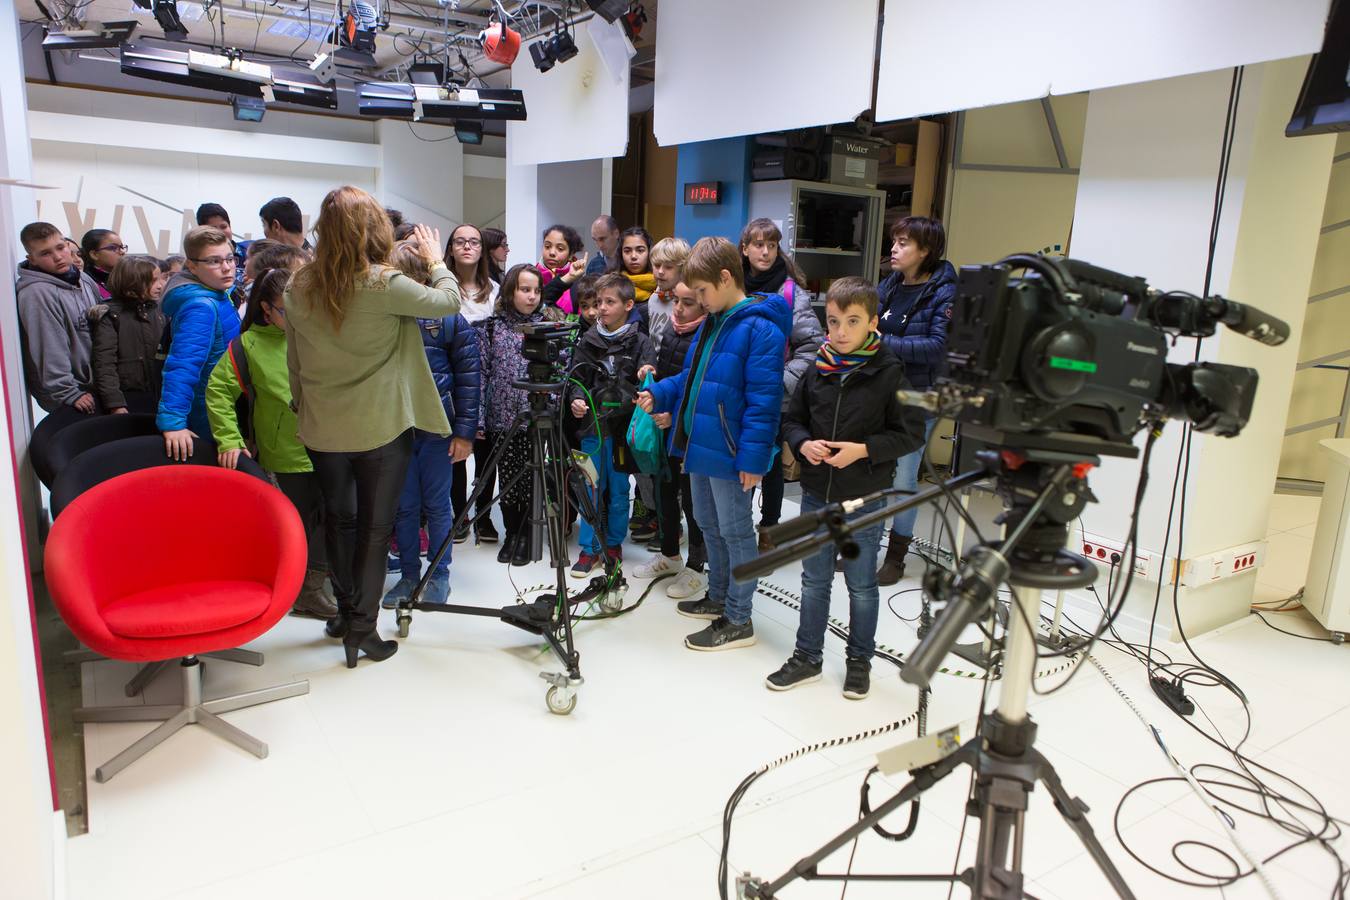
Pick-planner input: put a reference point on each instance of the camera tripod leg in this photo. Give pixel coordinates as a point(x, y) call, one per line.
point(921, 780)
point(1074, 812)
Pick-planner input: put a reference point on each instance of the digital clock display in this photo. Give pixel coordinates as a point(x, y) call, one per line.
point(698, 193)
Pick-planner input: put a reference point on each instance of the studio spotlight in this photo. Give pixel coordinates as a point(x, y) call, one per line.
point(500, 43)
point(562, 46)
point(248, 109)
point(469, 132)
point(542, 54)
point(609, 10)
point(166, 14)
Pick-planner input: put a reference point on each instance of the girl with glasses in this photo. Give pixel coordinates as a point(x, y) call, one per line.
point(100, 249)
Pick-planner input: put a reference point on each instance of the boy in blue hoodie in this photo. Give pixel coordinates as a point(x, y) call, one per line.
point(202, 322)
point(725, 408)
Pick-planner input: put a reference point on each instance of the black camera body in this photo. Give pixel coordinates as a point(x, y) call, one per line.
point(1073, 358)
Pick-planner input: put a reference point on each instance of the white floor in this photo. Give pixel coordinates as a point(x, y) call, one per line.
point(440, 773)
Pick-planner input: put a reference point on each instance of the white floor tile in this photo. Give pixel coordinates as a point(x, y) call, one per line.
point(1291, 511)
point(440, 773)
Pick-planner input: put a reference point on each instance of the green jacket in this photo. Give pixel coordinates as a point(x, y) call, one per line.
point(360, 386)
point(274, 423)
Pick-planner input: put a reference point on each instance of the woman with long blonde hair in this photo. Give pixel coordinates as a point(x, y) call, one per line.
point(361, 384)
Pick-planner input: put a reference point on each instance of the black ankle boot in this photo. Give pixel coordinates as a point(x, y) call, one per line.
point(371, 644)
point(893, 567)
point(508, 549)
point(520, 556)
point(338, 626)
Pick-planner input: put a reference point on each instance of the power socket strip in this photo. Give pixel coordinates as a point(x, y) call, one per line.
point(1105, 551)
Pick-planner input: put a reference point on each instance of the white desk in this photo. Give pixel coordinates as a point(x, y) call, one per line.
point(1327, 594)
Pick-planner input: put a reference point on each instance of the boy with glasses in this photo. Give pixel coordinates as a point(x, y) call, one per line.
point(202, 322)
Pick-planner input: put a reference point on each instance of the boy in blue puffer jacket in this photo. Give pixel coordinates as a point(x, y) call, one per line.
point(202, 322)
point(725, 409)
point(452, 353)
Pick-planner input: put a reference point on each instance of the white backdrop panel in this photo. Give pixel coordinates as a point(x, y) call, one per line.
point(745, 67)
point(577, 109)
point(964, 54)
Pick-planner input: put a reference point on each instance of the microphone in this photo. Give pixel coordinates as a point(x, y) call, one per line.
point(1253, 323)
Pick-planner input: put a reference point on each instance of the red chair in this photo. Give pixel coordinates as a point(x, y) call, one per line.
point(171, 563)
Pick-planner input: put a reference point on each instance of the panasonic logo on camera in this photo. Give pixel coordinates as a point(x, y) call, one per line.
point(1140, 348)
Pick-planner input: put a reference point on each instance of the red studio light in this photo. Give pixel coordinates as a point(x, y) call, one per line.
point(500, 43)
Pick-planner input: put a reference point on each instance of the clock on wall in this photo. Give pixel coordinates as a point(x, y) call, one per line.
point(702, 193)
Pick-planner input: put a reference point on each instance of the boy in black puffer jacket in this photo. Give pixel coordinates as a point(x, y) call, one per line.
point(608, 357)
point(847, 426)
point(674, 335)
point(451, 345)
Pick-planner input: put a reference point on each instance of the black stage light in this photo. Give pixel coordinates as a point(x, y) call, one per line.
point(542, 54)
point(87, 35)
point(609, 10)
point(468, 131)
point(427, 102)
point(562, 46)
point(166, 14)
point(248, 109)
point(246, 80)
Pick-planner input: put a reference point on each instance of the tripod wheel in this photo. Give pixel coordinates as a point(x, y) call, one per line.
point(561, 701)
point(403, 623)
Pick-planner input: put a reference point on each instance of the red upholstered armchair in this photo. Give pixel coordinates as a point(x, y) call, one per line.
point(170, 563)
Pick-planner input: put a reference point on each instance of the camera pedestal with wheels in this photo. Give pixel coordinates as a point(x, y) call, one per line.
point(552, 471)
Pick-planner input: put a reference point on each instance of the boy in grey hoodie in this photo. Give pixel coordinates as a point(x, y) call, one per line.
point(54, 298)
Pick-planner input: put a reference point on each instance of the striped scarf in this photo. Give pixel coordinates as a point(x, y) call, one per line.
point(828, 362)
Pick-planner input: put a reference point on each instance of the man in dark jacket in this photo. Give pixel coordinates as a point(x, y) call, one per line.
point(452, 353)
point(848, 427)
point(607, 360)
point(54, 299)
point(915, 310)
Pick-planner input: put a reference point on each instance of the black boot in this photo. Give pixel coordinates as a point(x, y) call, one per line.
point(520, 556)
point(893, 567)
point(371, 644)
point(338, 626)
point(507, 551)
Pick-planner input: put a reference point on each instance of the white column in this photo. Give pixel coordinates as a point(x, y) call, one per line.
point(29, 851)
point(570, 193)
point(1145, 200)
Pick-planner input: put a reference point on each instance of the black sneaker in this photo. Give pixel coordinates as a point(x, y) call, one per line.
point(857, 678)
point(797, 671)
point(461, 533)
point(484, 532)
point(644, 530)
point(722, 635)
point(702, 608)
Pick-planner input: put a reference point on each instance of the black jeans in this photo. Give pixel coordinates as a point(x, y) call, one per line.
point(360, 497)
point(674, 495)
point(302, 489)
point(771, 495)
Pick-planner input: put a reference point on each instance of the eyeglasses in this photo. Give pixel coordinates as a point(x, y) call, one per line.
point(119, 248)
point(471, 243)
point(216, 261)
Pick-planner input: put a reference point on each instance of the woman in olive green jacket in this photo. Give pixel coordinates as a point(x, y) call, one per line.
point(361, 384)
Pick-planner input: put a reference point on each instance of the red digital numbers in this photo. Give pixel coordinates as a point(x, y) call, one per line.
point(703, 192)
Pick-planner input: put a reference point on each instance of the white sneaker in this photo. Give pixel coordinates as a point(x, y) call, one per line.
point(661, 565)
point(687, 584)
